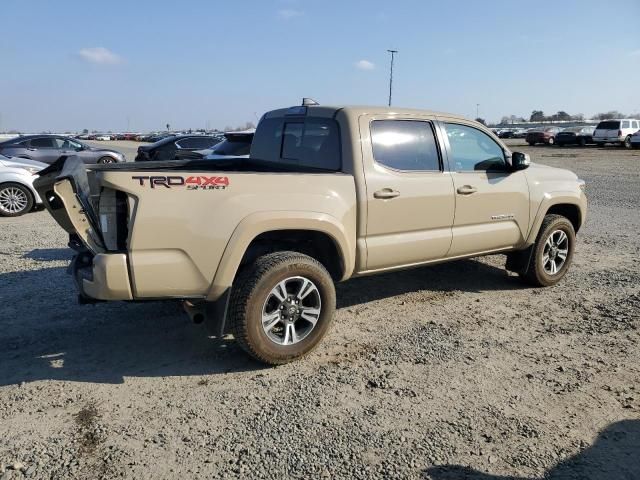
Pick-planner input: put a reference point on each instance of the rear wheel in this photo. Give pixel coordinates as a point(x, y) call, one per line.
point(531, 144)
point(281, 306)
point(551, 141)
point(552, 253)
point(105, 160)
point(582, 142)
point(15, 200)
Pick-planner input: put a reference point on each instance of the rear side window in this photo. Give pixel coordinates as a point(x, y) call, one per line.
point(407, 145)
point(634, 124)
point(609, 125)
point(44, 142)
point(302, 141)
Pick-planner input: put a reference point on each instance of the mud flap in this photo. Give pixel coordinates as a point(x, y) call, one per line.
point(518, 261)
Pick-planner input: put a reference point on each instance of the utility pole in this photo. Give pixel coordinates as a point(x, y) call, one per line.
point(392, 52)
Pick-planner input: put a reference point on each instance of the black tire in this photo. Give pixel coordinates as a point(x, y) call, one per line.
point(535, 273)
point(531, 144)
point(551, 141)
point(252, 290)
point(582, 142)
point(105, 160)
point(25, 194)
point(627, 142)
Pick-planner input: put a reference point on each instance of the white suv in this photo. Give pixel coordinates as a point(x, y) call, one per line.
point(616, 131)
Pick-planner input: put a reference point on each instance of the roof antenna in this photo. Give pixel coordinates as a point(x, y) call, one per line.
point(306, 101)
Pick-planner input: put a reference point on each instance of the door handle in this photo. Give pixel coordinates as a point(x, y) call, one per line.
point(467, 190)
point(386, 193)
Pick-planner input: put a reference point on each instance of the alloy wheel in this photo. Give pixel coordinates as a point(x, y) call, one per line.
point(555, 252)
point(291, 310)
point(13, 200)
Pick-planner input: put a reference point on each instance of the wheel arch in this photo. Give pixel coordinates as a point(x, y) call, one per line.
point(316, 234)
point(569, 206)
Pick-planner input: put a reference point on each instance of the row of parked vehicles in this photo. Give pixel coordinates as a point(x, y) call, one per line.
point(623, 132)
point(21, 158)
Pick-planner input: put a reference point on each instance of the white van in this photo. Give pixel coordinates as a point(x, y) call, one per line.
point(616, 131)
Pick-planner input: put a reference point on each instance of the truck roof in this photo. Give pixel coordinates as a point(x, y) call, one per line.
point(357, 110)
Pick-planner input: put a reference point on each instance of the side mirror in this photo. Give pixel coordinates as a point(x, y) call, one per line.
point(520, 161)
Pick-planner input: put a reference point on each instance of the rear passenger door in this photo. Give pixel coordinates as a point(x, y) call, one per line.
point(492, 202)
point(410, 200)
point(44, 149)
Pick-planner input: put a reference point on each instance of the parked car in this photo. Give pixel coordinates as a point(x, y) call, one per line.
point(48, 148)
point(17, 195)
point(575, 136)
point(168, 147)
point(506, 134)
point(233, 144)
point(635, 140)
point(616, 131)
point(520, 133)
point(546, 135)
point(254, 246)
point(104, 137)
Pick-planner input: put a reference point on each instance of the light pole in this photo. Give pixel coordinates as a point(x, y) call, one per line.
point(392, 52)
point(477, 110)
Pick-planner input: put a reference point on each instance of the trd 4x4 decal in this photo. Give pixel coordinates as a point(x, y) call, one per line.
point(200, 182)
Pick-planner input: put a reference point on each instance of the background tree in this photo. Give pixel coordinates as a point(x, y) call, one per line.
point(482, 121)
point(537, 116)
point(608, 115)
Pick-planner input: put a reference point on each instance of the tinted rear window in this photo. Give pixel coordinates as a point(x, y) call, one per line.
point(303, 141)
point(609, 125)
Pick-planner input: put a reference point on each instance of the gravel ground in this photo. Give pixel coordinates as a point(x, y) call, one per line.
point(454, 371)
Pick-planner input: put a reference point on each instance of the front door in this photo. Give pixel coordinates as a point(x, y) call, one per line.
point(492, 203)
point(410, 200)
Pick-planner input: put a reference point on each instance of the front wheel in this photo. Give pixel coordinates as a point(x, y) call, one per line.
point(281, 306)
point(15, 200)
point(552, 253)
point(627, 142)
point(106, 160)
point(551, 141)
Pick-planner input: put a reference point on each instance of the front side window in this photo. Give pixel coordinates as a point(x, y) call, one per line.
point(473, 150)
point(408, 145)
point(625, 124)
point(44, 142)
point(66, 144)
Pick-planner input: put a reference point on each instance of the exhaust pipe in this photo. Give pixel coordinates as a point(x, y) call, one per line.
point(195, 311)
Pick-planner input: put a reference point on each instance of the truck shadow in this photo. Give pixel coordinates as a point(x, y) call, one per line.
point(462, 275)
point(614, 455)
point(46, 335)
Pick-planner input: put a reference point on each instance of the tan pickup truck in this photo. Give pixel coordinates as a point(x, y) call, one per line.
point(254, 245)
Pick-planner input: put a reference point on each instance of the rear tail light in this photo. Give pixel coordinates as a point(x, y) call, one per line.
point(619, 133)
